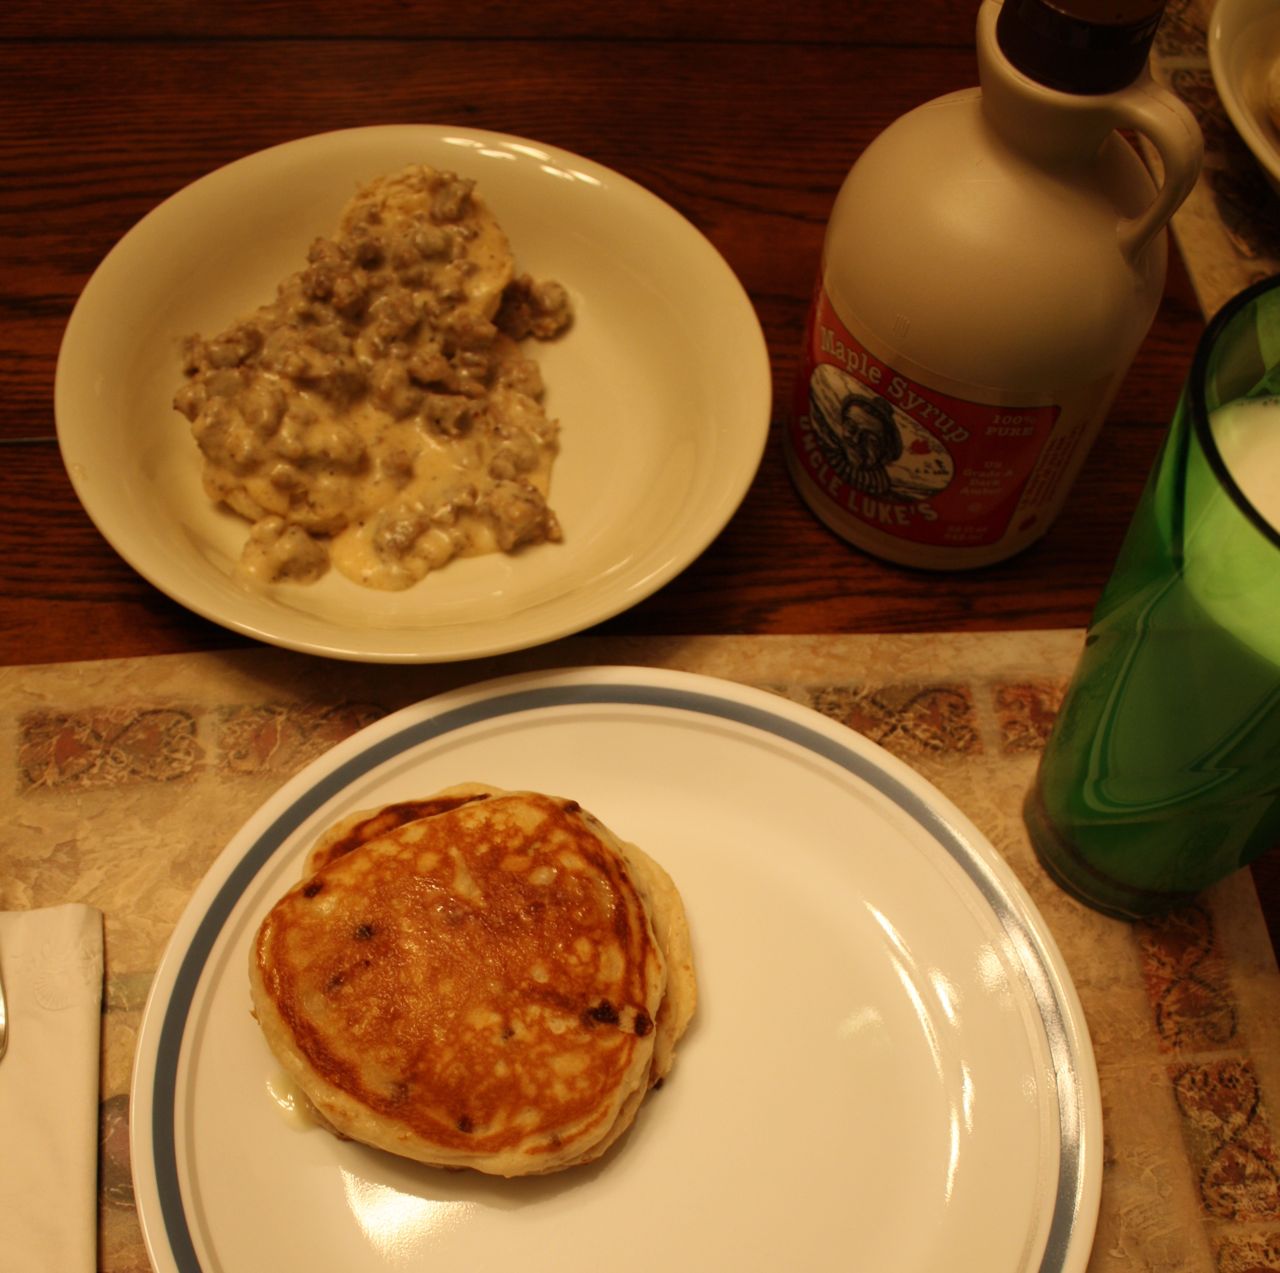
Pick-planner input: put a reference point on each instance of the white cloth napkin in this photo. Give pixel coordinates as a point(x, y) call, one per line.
point(51, 964)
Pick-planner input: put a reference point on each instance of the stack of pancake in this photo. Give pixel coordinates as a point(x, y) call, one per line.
point(483, 978)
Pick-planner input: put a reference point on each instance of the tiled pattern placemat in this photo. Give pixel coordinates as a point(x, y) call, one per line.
point(125, 779)
point(1229, 228)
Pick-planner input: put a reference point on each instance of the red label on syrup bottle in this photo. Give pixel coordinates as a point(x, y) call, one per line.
point(905, 459)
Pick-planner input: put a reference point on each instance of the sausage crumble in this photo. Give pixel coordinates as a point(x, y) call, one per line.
point(379, 415)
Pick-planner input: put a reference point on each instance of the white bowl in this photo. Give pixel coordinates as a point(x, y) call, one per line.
point(1244, 44)
point(661, 387)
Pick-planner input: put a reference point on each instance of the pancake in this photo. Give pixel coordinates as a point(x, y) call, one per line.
point(480, 979)
point(663, 902)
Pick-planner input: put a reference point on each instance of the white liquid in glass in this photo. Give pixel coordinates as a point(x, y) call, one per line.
point(1231, 569)
point(1248, 436)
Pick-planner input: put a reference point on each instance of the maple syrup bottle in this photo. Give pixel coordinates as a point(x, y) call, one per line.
point(993, 262)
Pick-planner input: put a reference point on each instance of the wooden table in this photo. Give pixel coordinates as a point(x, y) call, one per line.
point(744, 116)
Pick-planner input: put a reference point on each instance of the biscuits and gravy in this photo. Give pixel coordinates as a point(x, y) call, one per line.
point(379, 414)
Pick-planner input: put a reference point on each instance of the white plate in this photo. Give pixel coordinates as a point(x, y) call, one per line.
point(662, 389)
point(1244, 44)
point(889, 1069)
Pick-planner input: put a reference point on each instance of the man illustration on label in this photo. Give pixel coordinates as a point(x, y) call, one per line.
point(878, 455)
point(867, 441)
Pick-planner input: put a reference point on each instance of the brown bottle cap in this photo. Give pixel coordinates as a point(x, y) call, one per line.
point(1079, 46)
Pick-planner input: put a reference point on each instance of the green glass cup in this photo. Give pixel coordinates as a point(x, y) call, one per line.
point(1162, 773)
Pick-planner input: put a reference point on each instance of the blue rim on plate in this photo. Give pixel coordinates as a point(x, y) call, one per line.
point(1029, 949)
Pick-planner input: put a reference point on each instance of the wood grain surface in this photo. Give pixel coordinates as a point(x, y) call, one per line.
point(744, 116)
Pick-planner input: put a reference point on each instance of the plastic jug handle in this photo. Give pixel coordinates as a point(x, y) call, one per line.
point(1162, 118)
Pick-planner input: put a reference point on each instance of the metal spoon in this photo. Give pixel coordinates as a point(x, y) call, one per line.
point(4, 1022)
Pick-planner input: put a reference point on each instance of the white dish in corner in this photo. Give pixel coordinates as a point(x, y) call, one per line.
point(1244, 44)
point(889, 1068)
point(662, 388)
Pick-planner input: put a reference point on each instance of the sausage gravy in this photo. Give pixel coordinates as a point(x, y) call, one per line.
point(379, 414)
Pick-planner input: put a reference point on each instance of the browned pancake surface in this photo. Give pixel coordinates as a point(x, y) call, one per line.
point(371, 824)
point(482, 978)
